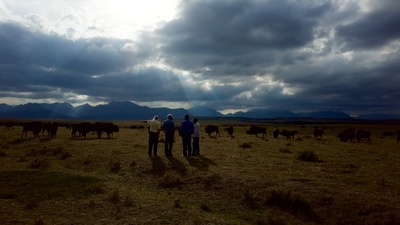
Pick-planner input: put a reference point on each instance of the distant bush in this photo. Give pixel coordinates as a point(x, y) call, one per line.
point(284, 150)
point(308, 156)
point(205, 207)
point(31, 205)
point(39, 164)
point(246, 145)
point(169, 181)
point(128, 201)
point(115, 166)
point(114, 197)
point(288, 202)
point(66, 155)
point(250, 200)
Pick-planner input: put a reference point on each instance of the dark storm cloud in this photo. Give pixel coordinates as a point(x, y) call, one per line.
point(282, 55)
point(376, 28)
point(241, 33)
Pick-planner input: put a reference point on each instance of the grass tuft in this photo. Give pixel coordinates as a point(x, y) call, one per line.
point(66, 155)
point(205, 207)
point(284, 150)
point(115, 166)
point(308, 156)
point(114, 197)
point(250, 200)
point(169, 181)
point(246, 145)
point(290, 203)
point(40, 164)
point(31, 205)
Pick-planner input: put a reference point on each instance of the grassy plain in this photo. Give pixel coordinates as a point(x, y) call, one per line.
point(240, 180)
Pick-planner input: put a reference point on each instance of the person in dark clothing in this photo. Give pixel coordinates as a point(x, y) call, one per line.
point(186, 131)
point(169, 129)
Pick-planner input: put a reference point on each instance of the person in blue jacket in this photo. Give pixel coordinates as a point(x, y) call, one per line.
point(186, 131)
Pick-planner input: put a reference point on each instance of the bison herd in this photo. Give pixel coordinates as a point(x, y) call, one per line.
point(79, 130)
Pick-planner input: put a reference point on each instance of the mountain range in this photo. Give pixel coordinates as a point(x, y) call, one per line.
point(124, 110)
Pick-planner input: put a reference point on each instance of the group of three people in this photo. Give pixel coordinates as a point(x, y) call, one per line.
point(187, 130)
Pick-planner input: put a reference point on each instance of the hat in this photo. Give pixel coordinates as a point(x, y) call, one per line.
point(170, 116)
point(155, 117)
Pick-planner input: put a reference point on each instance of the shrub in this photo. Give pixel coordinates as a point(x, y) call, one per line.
point(308, 156)
point(284, 150)
point(249, 200)
point(288, 202)
point(205, 207)
point(114, 197)
point(245, 145)
point(65, 155)
point(31, 205)
point(169, 181)
point(128, 201)
point(39, 164)
point(115, 166)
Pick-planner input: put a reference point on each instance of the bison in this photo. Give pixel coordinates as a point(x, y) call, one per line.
point(81, 128)
point(275, 132)
point(398, 136)
point(289, 134)
point(108, 128)
point(257, 130)
point(347, 135)
point(34, 126)
point(51, 129)
point(363, 135)
point(211, 129)
point(229, 129)
point(318, 132)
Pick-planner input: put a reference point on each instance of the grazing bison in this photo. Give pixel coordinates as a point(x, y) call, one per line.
point(318, 132)
point(363, 135)
point(388, 133)
point(51, 129)
point(108, 128)
point(398, 136)
point(347, 135)
point(229, 129)
point(289, 134)
point(275, 132)
point(211, 129)
point(81, 128)
point(257, 130)
point(34, 126)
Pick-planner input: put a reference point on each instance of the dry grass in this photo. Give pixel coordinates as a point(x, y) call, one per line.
point(240, 180)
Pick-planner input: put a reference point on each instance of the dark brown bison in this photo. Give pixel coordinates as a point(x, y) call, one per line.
point(398, 136)
point(51, 129)
point(388, 133)
point(318, 132)
point(363, 135)
point(229, 129)
point(81, 128)
point(347, 135)
point(289, 134)
point(34, 126)
point(108, 128)
point(211, 129)
point(257, 130)
point(275, 132)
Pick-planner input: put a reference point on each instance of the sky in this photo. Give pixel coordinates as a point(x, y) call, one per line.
point(229, 55)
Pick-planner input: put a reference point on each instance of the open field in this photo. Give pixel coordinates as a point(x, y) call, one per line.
point(243, 180)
